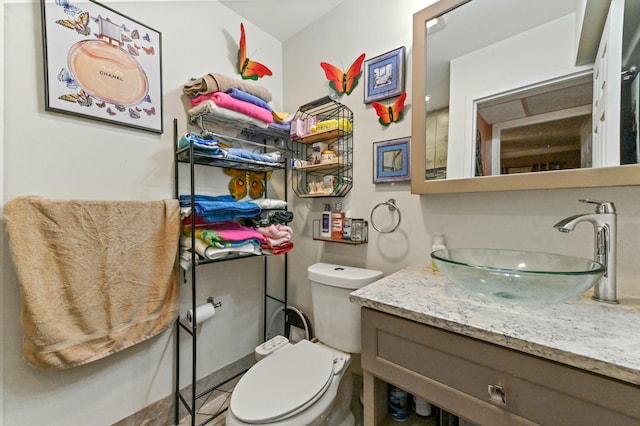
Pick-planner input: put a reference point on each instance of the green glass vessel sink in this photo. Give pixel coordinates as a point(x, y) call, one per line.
point(518, 276)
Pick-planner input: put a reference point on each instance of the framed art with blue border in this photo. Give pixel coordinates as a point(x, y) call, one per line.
point(384, 76)
point(391, 160)
point(101, 65)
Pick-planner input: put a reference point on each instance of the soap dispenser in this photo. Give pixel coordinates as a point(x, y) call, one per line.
point(438, 244)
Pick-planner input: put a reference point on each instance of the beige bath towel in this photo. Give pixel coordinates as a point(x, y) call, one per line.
point(95, 276)
point(213, 82)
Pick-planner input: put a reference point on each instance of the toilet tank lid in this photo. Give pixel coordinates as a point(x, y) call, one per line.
point(342, 276)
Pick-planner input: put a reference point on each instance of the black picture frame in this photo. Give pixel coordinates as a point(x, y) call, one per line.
point(101, 65)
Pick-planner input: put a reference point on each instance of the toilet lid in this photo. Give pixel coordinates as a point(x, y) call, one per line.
point(283, 383)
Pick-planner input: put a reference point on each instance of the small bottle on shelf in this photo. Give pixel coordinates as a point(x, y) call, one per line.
point(346, 226)
point(438, 244)
point(325, 232)
point(337, 222)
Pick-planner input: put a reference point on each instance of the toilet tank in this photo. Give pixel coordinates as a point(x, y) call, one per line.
point(336, 320)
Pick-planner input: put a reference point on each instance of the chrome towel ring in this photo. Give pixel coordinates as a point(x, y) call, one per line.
point(391, 203)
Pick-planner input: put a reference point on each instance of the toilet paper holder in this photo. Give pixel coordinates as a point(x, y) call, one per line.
point(202, 313)
point(215, 304)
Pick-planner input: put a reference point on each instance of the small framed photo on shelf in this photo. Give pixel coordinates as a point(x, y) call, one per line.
point(391, 160)
point(384, 76)
point(101, 65)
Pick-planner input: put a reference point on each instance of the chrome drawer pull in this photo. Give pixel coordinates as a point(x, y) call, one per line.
point(497, 394)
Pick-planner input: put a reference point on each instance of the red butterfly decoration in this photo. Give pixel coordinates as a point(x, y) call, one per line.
point(390, 113)
point(341, 82)
point(249, 70)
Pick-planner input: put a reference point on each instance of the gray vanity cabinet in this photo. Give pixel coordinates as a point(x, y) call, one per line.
point(482, 382)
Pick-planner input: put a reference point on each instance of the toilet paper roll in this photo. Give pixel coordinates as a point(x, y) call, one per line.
point(203, 313)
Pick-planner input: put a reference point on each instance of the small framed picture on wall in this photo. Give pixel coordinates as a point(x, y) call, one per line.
point(384, 76)
point(391, 160)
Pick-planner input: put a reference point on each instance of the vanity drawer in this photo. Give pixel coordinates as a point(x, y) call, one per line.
point(456, 372)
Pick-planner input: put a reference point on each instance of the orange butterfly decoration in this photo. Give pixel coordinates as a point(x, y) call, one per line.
point(81, 24)
point(243, 178)
point(81, 98)
point(249, 70)
point(390, 113)
point(341, 82)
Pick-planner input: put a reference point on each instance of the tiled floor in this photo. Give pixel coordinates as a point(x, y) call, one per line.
point(216, 402)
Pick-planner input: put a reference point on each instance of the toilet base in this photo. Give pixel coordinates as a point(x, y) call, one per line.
point(340, 413)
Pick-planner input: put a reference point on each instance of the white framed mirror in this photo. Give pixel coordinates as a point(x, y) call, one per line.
point(479, 115)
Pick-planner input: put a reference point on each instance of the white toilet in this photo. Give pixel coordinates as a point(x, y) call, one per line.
point(305, 383)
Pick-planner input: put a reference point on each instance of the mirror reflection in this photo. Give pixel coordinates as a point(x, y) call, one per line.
point(510, 87)
point(392, 160)
point(536, 129)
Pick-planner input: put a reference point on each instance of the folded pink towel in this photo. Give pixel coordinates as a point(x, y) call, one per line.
point(225, 100)
point(274, 242)
point(276, 234)
point(276, 231)
point(278, 249)
point(225, 234)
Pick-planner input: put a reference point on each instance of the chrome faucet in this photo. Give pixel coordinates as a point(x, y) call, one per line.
point(604, 222)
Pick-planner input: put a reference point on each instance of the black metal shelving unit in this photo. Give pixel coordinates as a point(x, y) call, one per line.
point(338, 139)
point(191, 157)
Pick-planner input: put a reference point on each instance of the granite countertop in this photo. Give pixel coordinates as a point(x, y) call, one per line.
point(597, 337)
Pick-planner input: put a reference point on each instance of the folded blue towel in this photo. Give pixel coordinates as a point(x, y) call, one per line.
point(247, 97)
point(221, 207)
point(243, 154)
point(211, 146)
point(281, 126)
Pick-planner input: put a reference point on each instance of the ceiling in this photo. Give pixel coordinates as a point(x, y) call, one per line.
point(281, 18)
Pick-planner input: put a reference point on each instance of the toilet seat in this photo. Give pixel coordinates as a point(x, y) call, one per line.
point(293, 378)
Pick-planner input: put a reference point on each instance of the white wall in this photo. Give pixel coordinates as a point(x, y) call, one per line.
point(63, 157)
point(372, 27)
point(516, 219)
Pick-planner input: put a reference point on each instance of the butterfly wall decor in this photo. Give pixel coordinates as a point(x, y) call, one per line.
point(245, 181)
point(248, 69)
point(343, 82)
point(65, 77)
point(390, 113)
point(69, 9)
point(80, 97)
point(80, 24)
